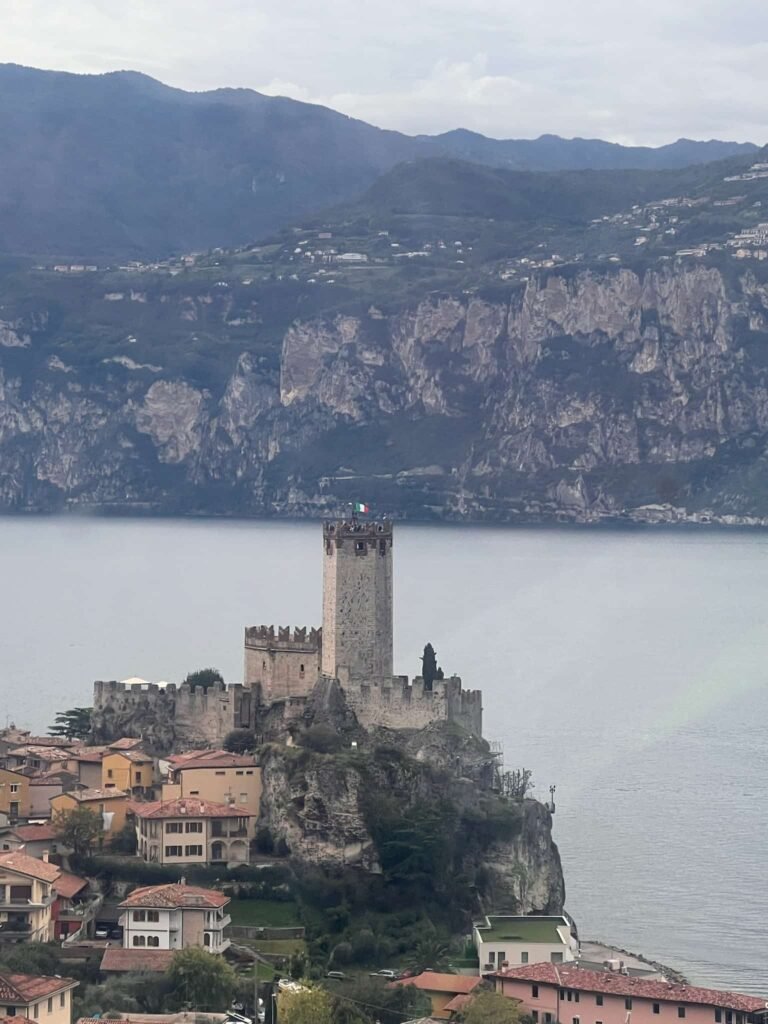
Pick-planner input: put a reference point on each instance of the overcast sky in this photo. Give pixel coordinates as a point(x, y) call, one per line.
point(634, 72)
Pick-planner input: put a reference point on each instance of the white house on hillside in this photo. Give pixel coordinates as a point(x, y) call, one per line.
point(175, 916)
point(514, 940)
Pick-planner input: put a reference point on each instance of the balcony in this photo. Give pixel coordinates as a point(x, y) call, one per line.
point(238, 833)
point(18, 928)
point(84, 911)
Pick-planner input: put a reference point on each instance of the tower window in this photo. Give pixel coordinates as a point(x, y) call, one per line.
point(360, 547)
point(382, 547)
point(301, 668)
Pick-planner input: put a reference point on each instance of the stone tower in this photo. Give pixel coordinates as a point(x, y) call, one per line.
point(357, 601)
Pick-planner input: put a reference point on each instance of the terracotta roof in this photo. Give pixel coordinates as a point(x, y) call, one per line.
point(189, 807)
point(175, 759)
point(175, 895)
point(130, 755)
point(125, 743)
point(216, 759)
point(44, 753)
point(613, 983)
point(49, 741)
point(457, 1003)
point(90, 754)
point(17, 860)
point(67, 885)
point(432, 981)
point(136, 959)
point(33, 833)
point(86, 795)
point(45, 780)
point(26, 988)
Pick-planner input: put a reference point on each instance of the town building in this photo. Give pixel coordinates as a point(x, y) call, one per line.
point(35, 758)
point(448, 993)
point(193, 831)
point(552, 992)
point(174, 917)
point(14, 795)
point(508, 939)
point(42, 790)
point(26, 897)
point(131, 771)
point(110, 804)
point(47, 1000)
point(216, 776)
point(85, 764)
point(35, 840)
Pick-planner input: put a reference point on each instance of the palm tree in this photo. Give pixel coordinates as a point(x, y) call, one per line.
point(430, 954)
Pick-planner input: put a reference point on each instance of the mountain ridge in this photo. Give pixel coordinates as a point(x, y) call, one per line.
point(120, 164)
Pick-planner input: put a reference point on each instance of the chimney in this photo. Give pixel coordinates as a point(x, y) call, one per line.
point(45, 856)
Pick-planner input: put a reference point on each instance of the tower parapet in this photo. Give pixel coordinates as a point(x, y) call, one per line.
point(285, 662)
point(357, 600)
point(411, 705)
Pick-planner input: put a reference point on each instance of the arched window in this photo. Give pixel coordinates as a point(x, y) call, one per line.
point(206, 939)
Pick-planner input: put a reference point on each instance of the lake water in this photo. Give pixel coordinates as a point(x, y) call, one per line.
point(629, 669)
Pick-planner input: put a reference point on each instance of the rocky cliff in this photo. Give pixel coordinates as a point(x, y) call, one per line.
point(364, 809)
point(575, 396)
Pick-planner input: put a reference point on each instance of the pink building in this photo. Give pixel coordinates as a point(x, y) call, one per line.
point(572, 995)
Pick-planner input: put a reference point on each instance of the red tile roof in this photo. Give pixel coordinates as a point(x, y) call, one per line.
point(42, 753)
point(613, 983)
point(137, 756)
point(34, 833)
point(457, 1003)
point(215, 759)
point(67, 885)
point(88, 795)
point(189, 807)
point(125, 743)
point(175, 895)
point(432, 981)
point(93, 755)
point(26, 988)
point(136, 959)
point(17, 860)
point(45, 780)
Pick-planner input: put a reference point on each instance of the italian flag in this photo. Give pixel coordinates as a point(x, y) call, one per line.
point(361, 507)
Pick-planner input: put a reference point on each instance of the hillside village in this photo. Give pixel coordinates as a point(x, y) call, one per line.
point(123, 856)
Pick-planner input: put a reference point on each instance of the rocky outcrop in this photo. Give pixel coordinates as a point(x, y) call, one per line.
point(581, 397)
point(327, 811)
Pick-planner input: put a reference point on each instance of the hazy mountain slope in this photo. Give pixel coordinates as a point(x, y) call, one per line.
point(120, 165)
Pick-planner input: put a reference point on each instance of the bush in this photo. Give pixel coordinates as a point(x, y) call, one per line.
point(240, 741)
point(321, 739)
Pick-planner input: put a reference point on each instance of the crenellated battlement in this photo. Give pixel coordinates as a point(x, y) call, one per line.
point(406, 704)
point(284, 637)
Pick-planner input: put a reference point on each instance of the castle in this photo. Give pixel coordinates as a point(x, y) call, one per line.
point(284, 667)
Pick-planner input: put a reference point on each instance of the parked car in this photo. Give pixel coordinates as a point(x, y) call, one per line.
point(336, 975)
point(101, 933)
point(386, 973)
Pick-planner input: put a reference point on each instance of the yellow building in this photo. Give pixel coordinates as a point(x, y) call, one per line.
point(111, 804)
point(47, 1000)
point(216, 776)
point(26, 897)
point(14, 794)
point(447, 992)
point(131, 771)
point(193, 831)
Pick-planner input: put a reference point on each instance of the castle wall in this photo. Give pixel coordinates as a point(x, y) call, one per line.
point(404, 705)
point(169, 717)
point(357, 601)
point(285, 662)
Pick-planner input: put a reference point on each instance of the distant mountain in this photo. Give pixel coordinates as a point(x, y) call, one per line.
point(122, 165)
point(551, 153)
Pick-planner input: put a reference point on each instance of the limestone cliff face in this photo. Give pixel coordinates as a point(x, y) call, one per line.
point(580, 397)
point(320, 806)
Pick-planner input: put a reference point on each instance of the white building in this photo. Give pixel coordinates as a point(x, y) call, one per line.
point(516, 940)
point(175, 916)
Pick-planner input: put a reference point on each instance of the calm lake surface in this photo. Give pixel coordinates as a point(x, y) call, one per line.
point(629, 669)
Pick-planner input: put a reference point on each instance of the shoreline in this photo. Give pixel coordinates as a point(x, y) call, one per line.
point(670, 973)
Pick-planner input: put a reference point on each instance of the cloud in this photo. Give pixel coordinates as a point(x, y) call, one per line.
point(629, 72)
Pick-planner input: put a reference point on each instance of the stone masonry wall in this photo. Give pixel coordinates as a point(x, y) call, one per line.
point(169, 717)
point(405, 705)
point(285, 662)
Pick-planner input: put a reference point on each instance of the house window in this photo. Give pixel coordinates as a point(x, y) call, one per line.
point(173, 826)
point(599, 999)
point(139, 915)
point(657, 1007)
point(153, 915)
point(139, 940)
point(535, 1016)
point(50, 1005)
point(576, 1020)
point(576, 996)
point(194, 792)
point(14, 787)
point(193, 826)
point(36, 1010)
point(681, 1011)
point(153, 940)
point(523, 958)
point(627, 1004)
point(63, 999)
point(249, 773)
point(109, 773)
point(728, 1017)
point(193, 851)
point(502, 954)
point(173, 851)
point(547, 1018)
point(138, 776)
point(718, 1017)
point(238, 773)
point(206, 939)
point(535, 991)
point(556, 958)
point(221, 773)
point(243, 798)
point(10, 1011)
